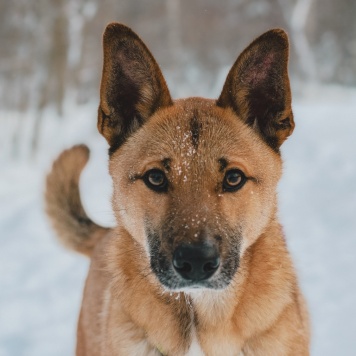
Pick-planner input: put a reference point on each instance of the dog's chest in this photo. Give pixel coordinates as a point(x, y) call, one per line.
point(195, 348)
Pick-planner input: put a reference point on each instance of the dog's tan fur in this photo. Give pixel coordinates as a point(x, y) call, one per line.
point(126, 310)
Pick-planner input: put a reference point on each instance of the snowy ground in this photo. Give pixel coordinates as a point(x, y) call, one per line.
point(41, 283)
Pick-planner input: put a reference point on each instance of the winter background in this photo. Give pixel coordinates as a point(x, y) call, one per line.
point(50, 64)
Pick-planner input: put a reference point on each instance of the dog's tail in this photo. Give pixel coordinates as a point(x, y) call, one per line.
point(63, 205)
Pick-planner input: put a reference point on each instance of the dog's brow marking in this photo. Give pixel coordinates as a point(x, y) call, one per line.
point(195, 127)
point(223, 164)
point(166, 162)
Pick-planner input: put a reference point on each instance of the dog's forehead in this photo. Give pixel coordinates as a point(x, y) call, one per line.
point(194, 135)
point(197, 128)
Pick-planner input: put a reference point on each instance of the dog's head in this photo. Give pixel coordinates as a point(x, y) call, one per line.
point(194, 180)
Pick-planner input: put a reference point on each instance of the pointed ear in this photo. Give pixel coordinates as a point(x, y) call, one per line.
point(132, 85)
point(257, 88)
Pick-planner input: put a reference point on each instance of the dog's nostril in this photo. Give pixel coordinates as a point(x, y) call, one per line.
point(211, 266)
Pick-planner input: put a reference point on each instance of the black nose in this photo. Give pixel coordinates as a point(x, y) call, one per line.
point(196, 262)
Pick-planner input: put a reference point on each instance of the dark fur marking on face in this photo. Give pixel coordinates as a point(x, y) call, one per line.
point(166, 163)
point(195, 127)
point(223, 164)
point(118, 142)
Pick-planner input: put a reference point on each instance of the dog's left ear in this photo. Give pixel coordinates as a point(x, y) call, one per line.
point(132, 85)
point(257, 88)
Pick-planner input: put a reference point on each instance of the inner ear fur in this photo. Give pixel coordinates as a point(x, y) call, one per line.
point(132, 85)
point(257, 88)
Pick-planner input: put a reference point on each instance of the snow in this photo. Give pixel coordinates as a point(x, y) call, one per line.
point(318, 209)
point(41, 283)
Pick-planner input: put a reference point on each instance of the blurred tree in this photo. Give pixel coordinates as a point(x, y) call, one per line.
point(52, 63)
point(297, 15)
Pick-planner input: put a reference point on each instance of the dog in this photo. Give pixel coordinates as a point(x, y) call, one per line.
point(197, 264)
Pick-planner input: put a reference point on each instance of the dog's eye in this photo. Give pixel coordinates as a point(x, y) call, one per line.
point(234, 180)
point(156, 180)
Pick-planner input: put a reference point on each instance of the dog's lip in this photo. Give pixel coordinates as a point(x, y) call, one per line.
point(183, 284)
point(193, 288)
point(197, 282)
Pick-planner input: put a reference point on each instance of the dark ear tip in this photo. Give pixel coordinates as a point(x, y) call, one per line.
point(114, 30)
point(278, 32)
point(277, 36)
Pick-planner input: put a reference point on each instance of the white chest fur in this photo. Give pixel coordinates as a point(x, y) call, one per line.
point(195, 349)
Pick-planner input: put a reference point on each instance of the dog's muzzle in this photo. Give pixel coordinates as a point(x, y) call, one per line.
point(194, 264)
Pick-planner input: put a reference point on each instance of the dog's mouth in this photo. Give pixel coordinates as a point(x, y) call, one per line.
point(193, 265)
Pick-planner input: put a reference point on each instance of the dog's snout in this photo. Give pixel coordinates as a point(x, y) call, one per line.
point(196, 262)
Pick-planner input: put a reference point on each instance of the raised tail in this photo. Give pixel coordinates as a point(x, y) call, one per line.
point(63, 205)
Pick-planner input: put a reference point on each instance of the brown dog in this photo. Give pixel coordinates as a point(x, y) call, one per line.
point(198, 262)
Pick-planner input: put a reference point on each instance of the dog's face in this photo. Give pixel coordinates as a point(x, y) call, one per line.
point(194, 180)
point(194, 176)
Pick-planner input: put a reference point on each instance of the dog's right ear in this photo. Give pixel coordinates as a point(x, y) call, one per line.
point(257, 88)
point(132, 85)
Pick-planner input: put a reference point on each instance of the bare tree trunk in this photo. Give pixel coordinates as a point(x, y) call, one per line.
point(174, 35)
point(52, 75)
point(174, 41)
point(81, 13)
point(59, 54)
point(297, 17)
